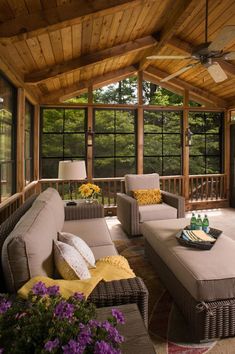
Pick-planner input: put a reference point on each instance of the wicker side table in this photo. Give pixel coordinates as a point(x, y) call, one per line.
point(83, 210)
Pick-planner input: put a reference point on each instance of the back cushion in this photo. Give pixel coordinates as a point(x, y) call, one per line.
point(28, 250)
point(147, 181)
point(51, 197)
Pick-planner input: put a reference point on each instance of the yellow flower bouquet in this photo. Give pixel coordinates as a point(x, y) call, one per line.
point(89, 191)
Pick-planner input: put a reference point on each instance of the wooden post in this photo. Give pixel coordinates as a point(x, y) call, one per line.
point(227, 122)
point(20, 162)
point(90, 125)
point(185, 148)
point(140, 125)
point(36, 142)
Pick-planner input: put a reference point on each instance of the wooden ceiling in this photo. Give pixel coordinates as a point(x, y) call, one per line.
point(60, 47)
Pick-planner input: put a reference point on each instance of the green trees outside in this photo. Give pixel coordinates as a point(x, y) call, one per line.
point(64, 130)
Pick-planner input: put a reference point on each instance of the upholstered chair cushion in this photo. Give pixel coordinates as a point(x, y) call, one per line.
point(157, 212)
point(69, 263)
point(28, 250)
point(145, 181)
point(80, 245)
point(147, 196)
point(53, 199)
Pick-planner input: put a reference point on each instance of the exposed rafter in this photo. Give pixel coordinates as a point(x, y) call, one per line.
point(30, 25)
point(207, 96)
point(90, 59)
point(177, 14)
point(66, 93)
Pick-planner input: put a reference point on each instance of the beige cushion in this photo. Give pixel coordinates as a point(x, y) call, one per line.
point(53, 199)
point(28, 250)
point(80, 245)
point(146, 181)
point(207, 275)
point(93, 231)
point(69, 262)
point(157, 212)
point(104, 251)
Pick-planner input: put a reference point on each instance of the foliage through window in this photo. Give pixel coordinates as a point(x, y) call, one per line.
point(162, 142)
point(114, 145)
point(29, 123)
point(206, 149)
point(62, 138)
point(7, 138)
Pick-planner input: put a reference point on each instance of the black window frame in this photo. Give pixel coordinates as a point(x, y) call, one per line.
point(31, 147)
point(114, 157)
point(64, 133)
point(220, 134)
point(162, 133)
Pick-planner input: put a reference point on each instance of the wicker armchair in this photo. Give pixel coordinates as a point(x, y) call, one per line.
point(131, 215)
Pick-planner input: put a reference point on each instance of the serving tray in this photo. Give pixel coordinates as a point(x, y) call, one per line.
point(202, 245)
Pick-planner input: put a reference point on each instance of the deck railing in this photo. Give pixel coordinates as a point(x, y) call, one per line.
point(202, 188)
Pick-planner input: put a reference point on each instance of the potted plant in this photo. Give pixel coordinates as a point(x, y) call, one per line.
point(47, 323)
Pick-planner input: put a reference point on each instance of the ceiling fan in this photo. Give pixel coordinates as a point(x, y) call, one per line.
point(207, 54)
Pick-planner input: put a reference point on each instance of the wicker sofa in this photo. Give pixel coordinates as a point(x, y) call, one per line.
point(78, 221)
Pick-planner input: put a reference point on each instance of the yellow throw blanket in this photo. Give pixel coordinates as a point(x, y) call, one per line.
point(107, 269)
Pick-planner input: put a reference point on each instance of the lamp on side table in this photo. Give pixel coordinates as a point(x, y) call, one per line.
point(71, 171)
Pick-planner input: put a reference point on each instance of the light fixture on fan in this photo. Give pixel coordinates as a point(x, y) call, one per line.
point(208, 54)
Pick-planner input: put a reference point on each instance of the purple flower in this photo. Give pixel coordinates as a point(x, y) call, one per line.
point(112, 332)
point(53, 290)
point(103, 347)
point(51, 344)
point(4, 306)
point(94, 323)
point(78, 296)
point(64, 310)
point(118, 315)
point(39, 289)
point(84, 337)
point(73, 347)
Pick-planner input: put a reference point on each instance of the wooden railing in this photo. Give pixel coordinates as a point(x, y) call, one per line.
point(207, 187)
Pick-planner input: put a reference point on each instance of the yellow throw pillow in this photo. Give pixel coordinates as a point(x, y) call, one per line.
point(147, 196)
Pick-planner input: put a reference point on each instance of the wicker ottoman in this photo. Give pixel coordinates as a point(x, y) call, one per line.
point(202, 283)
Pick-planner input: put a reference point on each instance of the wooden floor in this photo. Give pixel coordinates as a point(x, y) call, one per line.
point(223, 219)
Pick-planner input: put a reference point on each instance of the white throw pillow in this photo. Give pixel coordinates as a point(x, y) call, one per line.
point(69, 262)
point(80, 245)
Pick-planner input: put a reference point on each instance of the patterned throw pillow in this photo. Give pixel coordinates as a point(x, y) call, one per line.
point(80, 245)
point(69, 263)
point(147, 196)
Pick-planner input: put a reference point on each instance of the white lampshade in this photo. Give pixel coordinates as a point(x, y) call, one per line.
point(72, 170)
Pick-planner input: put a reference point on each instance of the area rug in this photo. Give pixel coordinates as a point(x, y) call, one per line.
point(167, 328)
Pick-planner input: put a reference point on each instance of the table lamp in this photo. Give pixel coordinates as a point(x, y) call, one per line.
point(71, 171)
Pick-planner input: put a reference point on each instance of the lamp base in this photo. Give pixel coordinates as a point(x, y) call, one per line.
point(71, 203)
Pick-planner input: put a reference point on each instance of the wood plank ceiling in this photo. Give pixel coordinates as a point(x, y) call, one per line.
point(60, 47)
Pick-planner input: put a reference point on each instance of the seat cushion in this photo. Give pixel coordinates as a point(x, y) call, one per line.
point(94, 232)
point(207, 275)
point(104, 251)
point(28, 250)
point(146, 181)
point(161, 211)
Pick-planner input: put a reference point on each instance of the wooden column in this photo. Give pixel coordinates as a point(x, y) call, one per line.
point(227, 122)
point(20, 163)
point(90, 125)
point(36, 142)
point(140, 125)
point(185, 148)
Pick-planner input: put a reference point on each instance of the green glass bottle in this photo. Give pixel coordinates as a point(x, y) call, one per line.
point(193, 221)
point(199, 223)
point(205, 224)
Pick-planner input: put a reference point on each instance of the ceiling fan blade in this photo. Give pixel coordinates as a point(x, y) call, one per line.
point(170, 57)
point(180, 71)
point(224, 37)
point(216, 72)
point(229, 56)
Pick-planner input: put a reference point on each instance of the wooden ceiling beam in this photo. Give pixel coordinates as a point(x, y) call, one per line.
point(176, 15)
point(196, 91)
point(90, 59)
point(36, 23)
point(82, 86)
